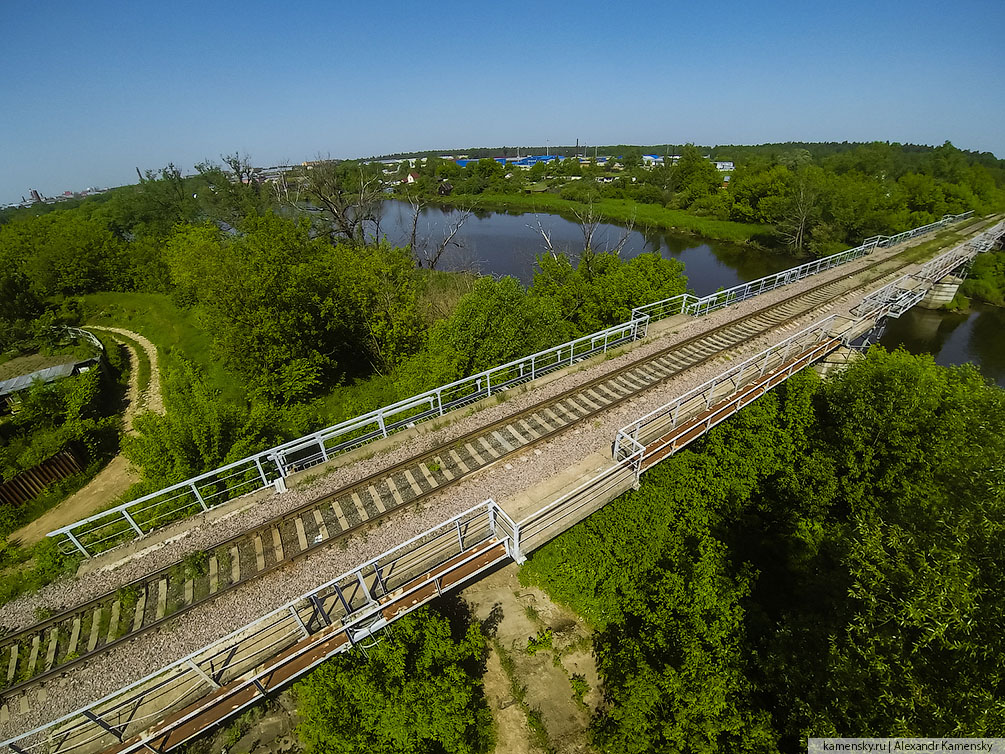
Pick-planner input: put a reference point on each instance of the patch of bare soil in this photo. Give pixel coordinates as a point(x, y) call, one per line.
point(268, 728)
point(539, 648)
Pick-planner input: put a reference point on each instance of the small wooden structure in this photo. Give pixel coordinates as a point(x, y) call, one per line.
point(28, 484)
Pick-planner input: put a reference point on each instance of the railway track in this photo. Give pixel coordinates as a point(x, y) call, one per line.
point(47, 649)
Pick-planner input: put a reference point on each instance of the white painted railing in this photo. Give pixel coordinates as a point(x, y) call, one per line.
point(105, 530)
point(689, 304)
point(119, 524)
point(629, 440)
point(330, 619)
point(410, 573)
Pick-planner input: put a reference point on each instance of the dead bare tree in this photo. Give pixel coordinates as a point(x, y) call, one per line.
point(427, 253)
point(549, 247)
point(348, 194)
point(590, 220)
point(240, 165)
point(289, 193)
point(625, 235)
point(799, 213)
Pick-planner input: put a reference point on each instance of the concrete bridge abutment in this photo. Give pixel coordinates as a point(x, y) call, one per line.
point(941, 293)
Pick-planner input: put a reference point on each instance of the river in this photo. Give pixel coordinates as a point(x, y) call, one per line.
point(977, 337)
point(503, 243)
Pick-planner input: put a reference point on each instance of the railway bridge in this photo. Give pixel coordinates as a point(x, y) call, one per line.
point(422, 496)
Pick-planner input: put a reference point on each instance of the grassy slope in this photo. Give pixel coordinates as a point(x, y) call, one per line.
point(623, 211)
point(175, 331)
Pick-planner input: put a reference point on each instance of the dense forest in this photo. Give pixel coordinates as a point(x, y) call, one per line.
point(271, 320)
point(829, 562)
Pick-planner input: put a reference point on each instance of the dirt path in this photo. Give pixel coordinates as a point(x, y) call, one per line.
point(153, 400)
point(117, 476)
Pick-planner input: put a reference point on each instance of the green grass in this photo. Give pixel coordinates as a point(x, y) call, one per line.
point(175, 332)
point(624, 211)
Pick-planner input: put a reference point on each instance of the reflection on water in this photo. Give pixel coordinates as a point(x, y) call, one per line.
point(976, 338)
point(501, 243)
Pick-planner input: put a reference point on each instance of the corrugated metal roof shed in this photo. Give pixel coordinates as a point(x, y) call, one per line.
point(51, 374)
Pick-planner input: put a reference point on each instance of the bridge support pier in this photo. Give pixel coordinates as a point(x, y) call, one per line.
point(941, 293)
point(837, 361)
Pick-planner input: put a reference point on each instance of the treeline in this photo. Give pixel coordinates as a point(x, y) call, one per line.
point(300, 297)
point(417, 691)
point(819, 198)
point(985, 281)
point(828, 563)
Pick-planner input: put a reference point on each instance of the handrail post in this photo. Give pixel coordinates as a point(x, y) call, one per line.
point(76, 543)
point(198, 497)
point(279, 465)
point(132, 522)
point(261, 471)
point(515, 551)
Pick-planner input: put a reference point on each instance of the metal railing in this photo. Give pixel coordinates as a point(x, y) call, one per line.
point(630, 440)
point(897, 297)
point(271, 651)
point(122, 523)
point(110, 528)
point(695, 306)
point(290, 640)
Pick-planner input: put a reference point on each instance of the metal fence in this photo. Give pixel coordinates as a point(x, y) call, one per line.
point(694, 306)
point(240, 668)
point(906, 291)
point(128, 521)
point(117, 525)
point(171, 705)
point(630, 442)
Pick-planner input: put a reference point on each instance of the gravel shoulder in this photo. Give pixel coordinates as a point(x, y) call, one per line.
point(206, 623)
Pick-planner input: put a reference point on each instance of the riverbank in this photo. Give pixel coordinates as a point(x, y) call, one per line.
point(622, 211)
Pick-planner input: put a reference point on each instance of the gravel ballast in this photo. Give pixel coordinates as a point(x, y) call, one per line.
point(202, 625)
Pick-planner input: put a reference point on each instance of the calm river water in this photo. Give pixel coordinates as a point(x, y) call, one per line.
point(501, 243)
point(977, 337)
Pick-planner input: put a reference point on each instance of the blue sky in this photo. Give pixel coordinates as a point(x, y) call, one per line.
point(91, 90)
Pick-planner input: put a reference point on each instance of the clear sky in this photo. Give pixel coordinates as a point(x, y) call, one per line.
point(90, 90)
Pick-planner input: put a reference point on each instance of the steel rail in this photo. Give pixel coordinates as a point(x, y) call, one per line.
point(41, 627)
point(710, 356)
point(125, 522)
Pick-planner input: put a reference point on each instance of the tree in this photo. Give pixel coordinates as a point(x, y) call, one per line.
point(829, 561)
point(349, 194)
point(279, 310)
point(417, 692)
point(801, 209)
point(496, 322)
point(19, 305)
point(198, 432)
point(601, 289)
point(233, 192)
point(696, 176)
point(425, 251)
